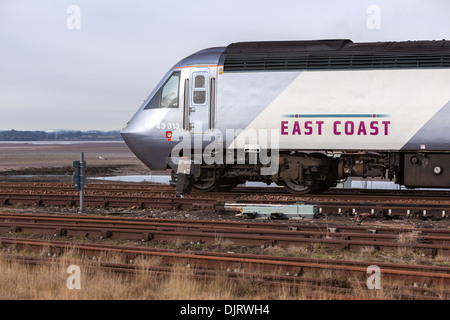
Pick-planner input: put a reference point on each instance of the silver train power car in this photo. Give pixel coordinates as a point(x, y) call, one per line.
point(303, 114)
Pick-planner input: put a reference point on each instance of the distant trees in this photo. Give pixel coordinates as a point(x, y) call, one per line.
point(62, 135)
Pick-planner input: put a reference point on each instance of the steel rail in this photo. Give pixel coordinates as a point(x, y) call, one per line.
point(56, 226)
point(435, 280)
point(317, 226)
point(150, 196)
point(354, 195)
point(110, 201)
point(15, 221)
point(173, 203)
point(286, 282)
point(362, 264)
point(383, 194)
point(94, 228)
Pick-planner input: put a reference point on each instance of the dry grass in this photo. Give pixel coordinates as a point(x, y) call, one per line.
point(368, 253)
point(408, 237)
point(407, 242)
point(49, 282)
point(224, 245)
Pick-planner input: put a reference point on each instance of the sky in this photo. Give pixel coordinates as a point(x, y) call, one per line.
point(89, 65)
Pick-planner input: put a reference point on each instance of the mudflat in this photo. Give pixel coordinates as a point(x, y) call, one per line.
point(47, 158)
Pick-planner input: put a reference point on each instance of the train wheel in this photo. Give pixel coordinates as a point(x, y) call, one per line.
point(296, 188)
point(205, 186)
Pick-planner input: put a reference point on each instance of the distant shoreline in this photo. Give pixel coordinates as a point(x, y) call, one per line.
point(59, 135)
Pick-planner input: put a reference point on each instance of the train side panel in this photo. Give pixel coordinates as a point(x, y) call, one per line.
point(340, 110)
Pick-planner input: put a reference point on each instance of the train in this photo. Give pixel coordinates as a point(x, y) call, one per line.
point(305, 115)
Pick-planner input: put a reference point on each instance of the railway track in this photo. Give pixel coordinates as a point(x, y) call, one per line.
point(271, 281)
point(109, 201)
point(401, 280)
point(349, 208)
point(430, 242)
point(163, 197)
point(417, 282)
point(151, 188)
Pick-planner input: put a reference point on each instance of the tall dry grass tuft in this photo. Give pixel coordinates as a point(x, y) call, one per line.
point(276, 251)
point(361, 290)
point(443, 260)
point(183, 284)
point(408, 237)
point(407, 241)
point(225, 245)
point(297, 251)
point(367, 252)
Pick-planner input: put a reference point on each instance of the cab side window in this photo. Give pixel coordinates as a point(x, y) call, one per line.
point(168, 95)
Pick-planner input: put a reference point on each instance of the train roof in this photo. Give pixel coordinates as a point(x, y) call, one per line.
point(269, 47)
point(208, 56)
point(335, 54)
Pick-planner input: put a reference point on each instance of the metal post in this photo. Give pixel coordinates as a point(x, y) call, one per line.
point(82, 181)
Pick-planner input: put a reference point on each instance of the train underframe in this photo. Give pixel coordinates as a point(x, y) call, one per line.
point(302, 173)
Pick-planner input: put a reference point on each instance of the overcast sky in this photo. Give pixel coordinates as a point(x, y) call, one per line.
point(91, 66)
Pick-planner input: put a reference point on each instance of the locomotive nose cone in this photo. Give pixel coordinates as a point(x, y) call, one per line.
point(133, 138)
point(138, 144)
point(126, 134)
point(135, 129)
point(147, 143)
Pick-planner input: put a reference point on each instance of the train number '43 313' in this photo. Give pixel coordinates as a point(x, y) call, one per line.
point(168, 126)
